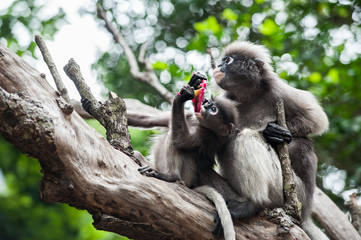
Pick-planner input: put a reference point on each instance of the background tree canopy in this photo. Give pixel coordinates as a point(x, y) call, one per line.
point(316, 46)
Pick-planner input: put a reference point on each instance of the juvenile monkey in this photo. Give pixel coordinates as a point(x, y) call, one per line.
point(246, 76)
point(187, 152)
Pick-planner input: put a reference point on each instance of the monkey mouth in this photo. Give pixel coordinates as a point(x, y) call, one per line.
point(199, 114)
point(218, 75)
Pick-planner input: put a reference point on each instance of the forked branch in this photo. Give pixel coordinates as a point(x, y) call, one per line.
point(149, 75)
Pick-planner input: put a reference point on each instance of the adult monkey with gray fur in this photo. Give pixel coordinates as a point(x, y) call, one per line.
point(246, 76)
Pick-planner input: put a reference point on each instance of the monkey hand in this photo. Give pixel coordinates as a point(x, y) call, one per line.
point(186, 93)
point(196, 80)
point(217, 229)
point(87, 104)
point(275, 134)
point(148, 171)
point(151, 172)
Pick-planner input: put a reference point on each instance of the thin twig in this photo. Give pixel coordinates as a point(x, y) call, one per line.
point(149, 76)
point(213, 62)
point(355, 211)
point(142, 59)
point(51, 65)
point(292, 203)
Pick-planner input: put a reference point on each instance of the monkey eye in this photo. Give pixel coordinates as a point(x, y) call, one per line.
point(214, 110)
point(229, 60)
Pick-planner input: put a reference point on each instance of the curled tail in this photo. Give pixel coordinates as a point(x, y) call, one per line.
point(221, 207)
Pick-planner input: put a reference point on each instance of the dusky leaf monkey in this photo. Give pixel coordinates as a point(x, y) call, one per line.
point(246, 76)
point(187, 151)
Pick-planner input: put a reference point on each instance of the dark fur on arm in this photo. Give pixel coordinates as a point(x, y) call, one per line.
point(182, 137)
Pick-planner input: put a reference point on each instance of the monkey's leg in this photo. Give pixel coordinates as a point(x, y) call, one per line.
point(152, 172)
point(142, 159)
point(238, 207)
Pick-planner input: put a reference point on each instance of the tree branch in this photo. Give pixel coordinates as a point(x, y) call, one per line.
point(331, 218)
point(292, 203)
point(143, 60)
point(111, 114)
point(213, 61)
point(148, 76)
point(82, 169)
point(355, 211)
point(52, 67)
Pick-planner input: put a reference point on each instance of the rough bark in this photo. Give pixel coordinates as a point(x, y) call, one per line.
point(82, 169)
point(292, 204)
point(355, 211)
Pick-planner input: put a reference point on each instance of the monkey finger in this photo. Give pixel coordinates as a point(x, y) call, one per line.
point(278, 130)
point(143, 169)
point(217, 230)
point(151, 174)
point(85, 103)
point(216, 217)
point(274, 139)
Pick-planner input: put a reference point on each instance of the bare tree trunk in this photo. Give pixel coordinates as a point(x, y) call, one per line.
point(82, 169)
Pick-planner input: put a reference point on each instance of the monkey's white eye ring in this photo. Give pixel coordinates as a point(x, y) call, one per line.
point(214, 110)
point(229, 60)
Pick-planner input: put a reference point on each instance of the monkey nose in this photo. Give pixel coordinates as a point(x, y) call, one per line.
point(217, 74)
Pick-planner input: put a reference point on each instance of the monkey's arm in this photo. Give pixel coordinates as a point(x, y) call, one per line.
point(182, 137)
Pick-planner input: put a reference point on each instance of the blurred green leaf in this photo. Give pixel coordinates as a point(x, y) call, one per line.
point(160, 65)
point(208, 26)
point(268, 27)
point(315, 77)
point(229, 15)
point(333, 75)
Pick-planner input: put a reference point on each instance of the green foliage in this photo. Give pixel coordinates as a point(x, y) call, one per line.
point(306, 40)
point(22, 20)
point(140, 139)
point(315, 46)
point(24, 216)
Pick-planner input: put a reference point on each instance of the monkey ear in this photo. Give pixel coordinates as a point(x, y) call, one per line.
point(259, 62)
point(227, 129)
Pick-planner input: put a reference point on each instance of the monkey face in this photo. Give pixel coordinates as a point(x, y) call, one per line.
point(218, 75)
point(237, 71)
point(207, 110)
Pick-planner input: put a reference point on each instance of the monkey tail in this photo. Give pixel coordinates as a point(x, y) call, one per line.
point(221, 207)
point(313, 232)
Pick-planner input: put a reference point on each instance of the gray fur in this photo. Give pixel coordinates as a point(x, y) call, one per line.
point(218, 200)
point(186, 152)
point(249, 79)
point(304, 115)
point(256, 172)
